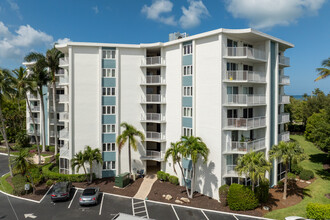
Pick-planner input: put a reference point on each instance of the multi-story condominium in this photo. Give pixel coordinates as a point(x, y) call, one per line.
point(225, 86)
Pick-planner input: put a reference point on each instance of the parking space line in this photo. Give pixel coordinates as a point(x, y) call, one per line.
point(133, 207)
point(101, 204)
point(72, 198)
point(204, 215)
point(235, 217)
point(145, 206)
point(12, 207)
point(176, 214)
point(46, 193)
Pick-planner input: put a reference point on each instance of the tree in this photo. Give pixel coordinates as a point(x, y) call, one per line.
point(79, 161)
point(5, 90)
point(129, 134)
point(21, 161)
point(194, 148)
point(324, 71)
point(287, 152)
point(90, 155)
point(254, 165)
point(23, 84)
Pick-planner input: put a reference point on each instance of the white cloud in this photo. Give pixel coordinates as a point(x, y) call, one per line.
point(63, 40)
point(269, 13)
point(192, 16)
point(95, 9)
point(14, 6)
point(156, 10)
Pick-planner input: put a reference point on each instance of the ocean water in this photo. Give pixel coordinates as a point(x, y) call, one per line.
point(299, 97)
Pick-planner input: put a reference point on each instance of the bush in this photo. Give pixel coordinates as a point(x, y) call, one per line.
point(174, 180)
point(280, 184)
point(306, 175)
point(291, 176)
point(49, 182)
point(318, 211)
point(241, 198)
point(223, 192)
point(22, 140)
point(34, 175)
point(296, 169)
point(161, 175)
point(18, 182)
point(262, 191)
point(48, 174)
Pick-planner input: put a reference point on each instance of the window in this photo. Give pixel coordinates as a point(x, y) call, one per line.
point(187, 112)
point(231, 43)
point(109, 128)
point(187, 91)
point(187, 132)
point(232, 66)
point(109, 147)
point(109, 91)
point(60, 91)
point(187, 49)
point(109, 165)
point(187, 174)
point(108, 73)
point(187, 70)
point(109, 54)
point(64, 165)
point(109, 110)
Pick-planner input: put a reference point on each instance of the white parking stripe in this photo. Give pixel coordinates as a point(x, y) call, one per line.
point(72, 198)
point(204, 215)
point(235, 217)
point(177, 217)
point(145, 206)
point(101, 204)
point(133, 207)
point(46, 193)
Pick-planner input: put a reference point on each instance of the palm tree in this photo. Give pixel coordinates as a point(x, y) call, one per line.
point(194, 148)
point(23, 85)
point(90, 155)
point(21, 161)
point(254, 165)
point(128, 134)
point(5, 91)
point(79, 161)
point(287, 152)
point(324, 71)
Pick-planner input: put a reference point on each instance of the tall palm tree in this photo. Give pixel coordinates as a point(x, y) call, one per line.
point(129, 134)
point(79, 161)
point(5, 91)
point(90, 155)
point(53, 61)
point(254, 165)
point(21, 162)
point(324, 71)
point(287, 152)
point(23, 84)
point(194, 148)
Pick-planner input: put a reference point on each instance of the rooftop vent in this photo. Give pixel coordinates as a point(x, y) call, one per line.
point(177, 35)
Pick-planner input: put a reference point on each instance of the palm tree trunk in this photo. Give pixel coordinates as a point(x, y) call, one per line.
point(129, 157)
point(186, 184)
point(285, 180)
point(85, 172)
point(43, 120)
point(4, 134)
point(91, 172)
point(55, 114)
point(252, 186)
point(192, 186)
point(119, 167)
point(34, 129)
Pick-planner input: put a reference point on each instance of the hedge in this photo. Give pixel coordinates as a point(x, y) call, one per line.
point(48, 174)
point(262, 191)
point(223, 192)
point(318, 211)
point(19, 182)
point(296, 169)
point(241, 198)
point(306, 175)
point(174, 180)
point(161, 175)
point(291, 176)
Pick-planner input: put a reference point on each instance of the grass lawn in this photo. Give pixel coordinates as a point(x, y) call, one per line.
point(5, 186)
point(316, 191)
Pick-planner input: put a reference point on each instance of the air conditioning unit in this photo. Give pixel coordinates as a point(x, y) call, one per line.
point(177, 35)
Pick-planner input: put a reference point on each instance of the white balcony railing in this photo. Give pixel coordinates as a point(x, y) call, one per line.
point(245, 99)
point(153, 79)
point(63, 98)
point(283, 60)
point(151, 98)
point(248, 52)
point(31, 132)
point(246, 146)
point(64, 150)
point(283, 118)
point(245, 76)
point(36, 120)
point(64, 61)
point(285, 80)
point(152, 117)
point(64, 133)
point(284, 136)
point(230, 169)
point(156, 60)
point(63, 80)
point(246, 123)
point(284, 99)
point(64, 116)
point(156, 136)
point(32, 97)
point(153, 155)
point(35, 108)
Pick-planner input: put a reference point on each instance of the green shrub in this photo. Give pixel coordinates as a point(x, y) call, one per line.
point(166, 176)
point(318, 211)
point(262, 191)
point(19, 182)
point(161, 175)
point(34, 175)
point(22, 140)
point(280, 184)
point(48, 174)
point(49, 182)
point(291, 176)
point(306, 175)
point(241, 198)
point(296, 169)
point(174, 180)
point(223, 192)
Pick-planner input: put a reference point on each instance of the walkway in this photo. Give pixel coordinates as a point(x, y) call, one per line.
point(146, 186)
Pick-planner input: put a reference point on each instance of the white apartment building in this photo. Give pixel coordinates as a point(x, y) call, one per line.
point(225, 86)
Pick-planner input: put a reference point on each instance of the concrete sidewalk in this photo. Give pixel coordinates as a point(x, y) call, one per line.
point(146, 186)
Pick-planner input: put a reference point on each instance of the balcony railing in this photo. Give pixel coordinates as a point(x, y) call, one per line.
point(155, 136)
point(152, 117)
point(64, 116)
point(283, 60)
point(60, 72)
point(230, 169)
point(153, 79)
point(30, 97)
point(153, 155)
point(64, 150)
point(246, 146)
point(36, 120)
point(283, 118)
point(52, 133)
point(63, 98)
point(156, 60)
point(64, 61)
point(64, 133)
point(35, 108)
point(31, 132)
point(246, 123)
point(245, 99)
point(248, 52)
point(152, 98)
point(284, 136)
point(284, 99)
point(245, 76)
point(63, 80)
point(285, 80)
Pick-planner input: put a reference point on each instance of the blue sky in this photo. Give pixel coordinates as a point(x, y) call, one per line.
point(34, 25)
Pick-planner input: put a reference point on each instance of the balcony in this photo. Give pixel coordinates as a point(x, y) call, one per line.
point(35, 108)
point(36, 120)
point(63, 99)
point(245, 123)
point(153, 155)
point(153, 61)
point(155, 136)
point(64, 62)
point(64, 134)
point(284, 80)
point(32, 97)
point(230, 169)
point(31, 132)
point(64, 116)
point(152, 80)
point(284, 99)
point(64, 150)
point(246, 146)
point(283, 60)
point(245, 76)
point(60, 72)
point(63, 81)
point(153, 117)
point(284, 136)
point(245, 99)
point(283, 118)
point(245, 53)
point(153, 98)
point(52, 134)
